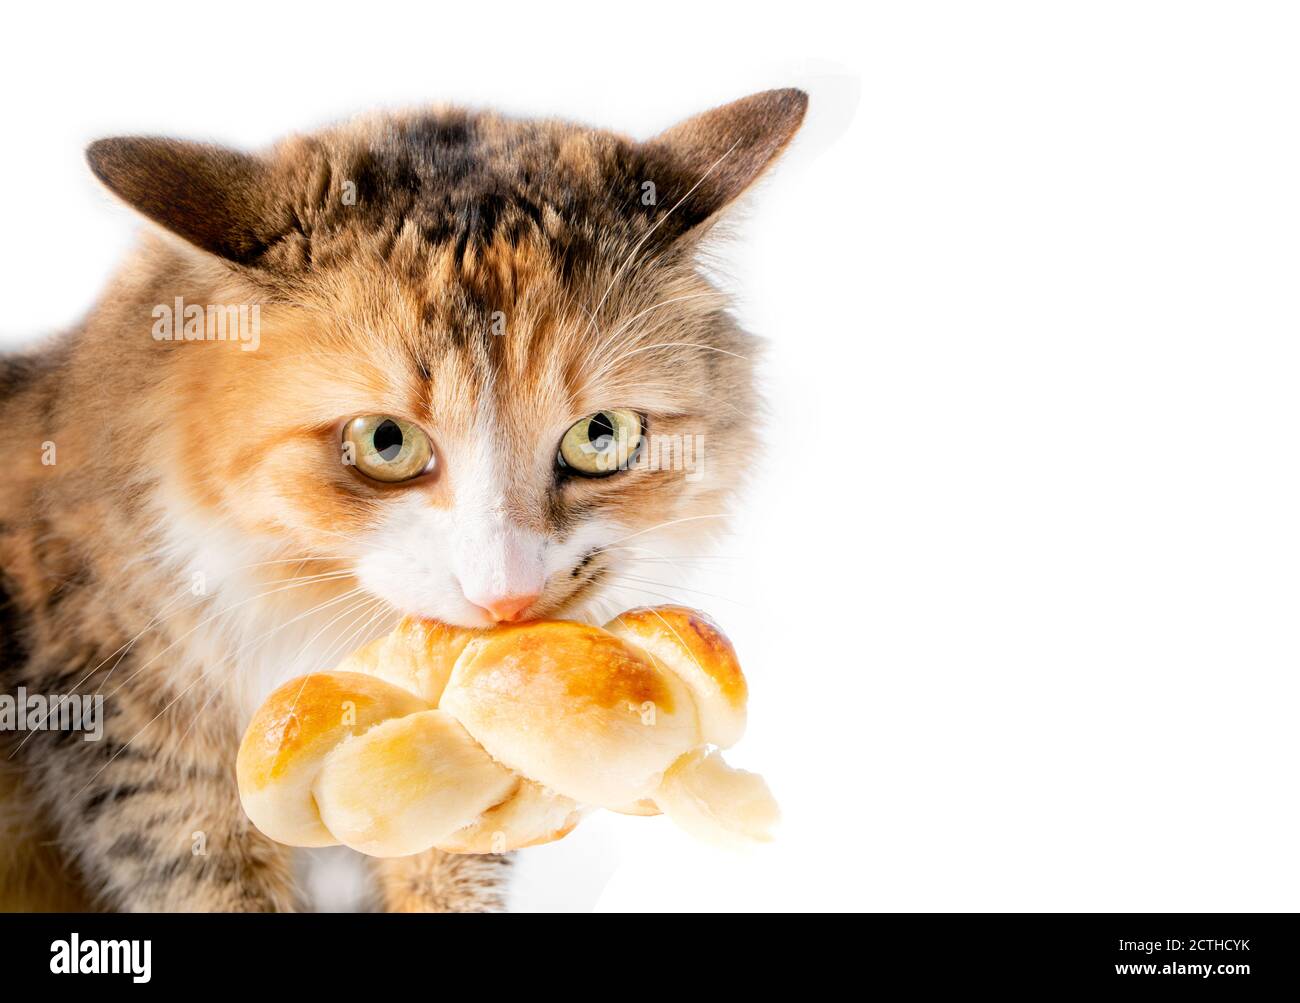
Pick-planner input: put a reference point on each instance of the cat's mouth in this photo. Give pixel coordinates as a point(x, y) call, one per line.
point(567, 595)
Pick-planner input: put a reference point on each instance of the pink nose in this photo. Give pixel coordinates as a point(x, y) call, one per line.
point(506, 608)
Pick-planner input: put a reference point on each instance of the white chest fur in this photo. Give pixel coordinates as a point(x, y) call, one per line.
point(254, 635)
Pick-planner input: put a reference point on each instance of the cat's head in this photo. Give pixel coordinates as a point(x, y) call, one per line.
point(487, 374)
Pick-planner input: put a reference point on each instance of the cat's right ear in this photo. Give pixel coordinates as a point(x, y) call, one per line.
point(711, 159)
point(220, 200)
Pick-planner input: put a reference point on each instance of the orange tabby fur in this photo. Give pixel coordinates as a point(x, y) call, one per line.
point(192, 479)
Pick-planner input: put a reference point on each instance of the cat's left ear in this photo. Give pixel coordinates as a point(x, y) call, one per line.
point(714, 157)
point(220, 200)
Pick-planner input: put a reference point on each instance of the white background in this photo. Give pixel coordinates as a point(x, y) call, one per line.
point(1017, 585)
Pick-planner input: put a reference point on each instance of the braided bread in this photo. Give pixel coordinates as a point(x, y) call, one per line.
point(486, 741)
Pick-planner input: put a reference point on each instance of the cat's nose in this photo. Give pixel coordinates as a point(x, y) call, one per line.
point(504, 609)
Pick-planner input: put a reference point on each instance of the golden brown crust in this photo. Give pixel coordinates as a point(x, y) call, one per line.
point(306, 717)
point(688, 645)
point(534, 721)
point(575, 708)
point(418, 655)
point(594, 667)
point(702, 640)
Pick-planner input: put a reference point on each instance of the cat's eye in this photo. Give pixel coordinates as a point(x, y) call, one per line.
point(600, 444)
point(386, 449)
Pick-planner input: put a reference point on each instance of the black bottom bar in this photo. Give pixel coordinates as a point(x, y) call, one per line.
point(1167, 952)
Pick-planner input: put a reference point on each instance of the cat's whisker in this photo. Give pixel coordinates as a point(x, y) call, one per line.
point(215, 690)
point(665, 557)
point(662, 619)
point(158, 619)
point(307, 646)
point(681, 588)
point(352, 539)
point(370, 545)
point(694, 558)
point(227, 610)
point(356, 595)
point(658, 223)
point(262, 639)
point(124, 649)
point(629, 559)
point(171, 703)
point(126, 646)
point(199, 678)
point(243, 649)
point(687, 344)
point(613, 362)
point(665, 525)
point(292, 560)
point(377, 608)
point(685, 564)
point(609, 341)
point(619, 389)
point(127, 744)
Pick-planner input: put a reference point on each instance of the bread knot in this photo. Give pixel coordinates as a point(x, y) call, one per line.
point(487, 741)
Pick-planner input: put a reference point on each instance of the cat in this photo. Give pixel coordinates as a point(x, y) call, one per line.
point(412, 364)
